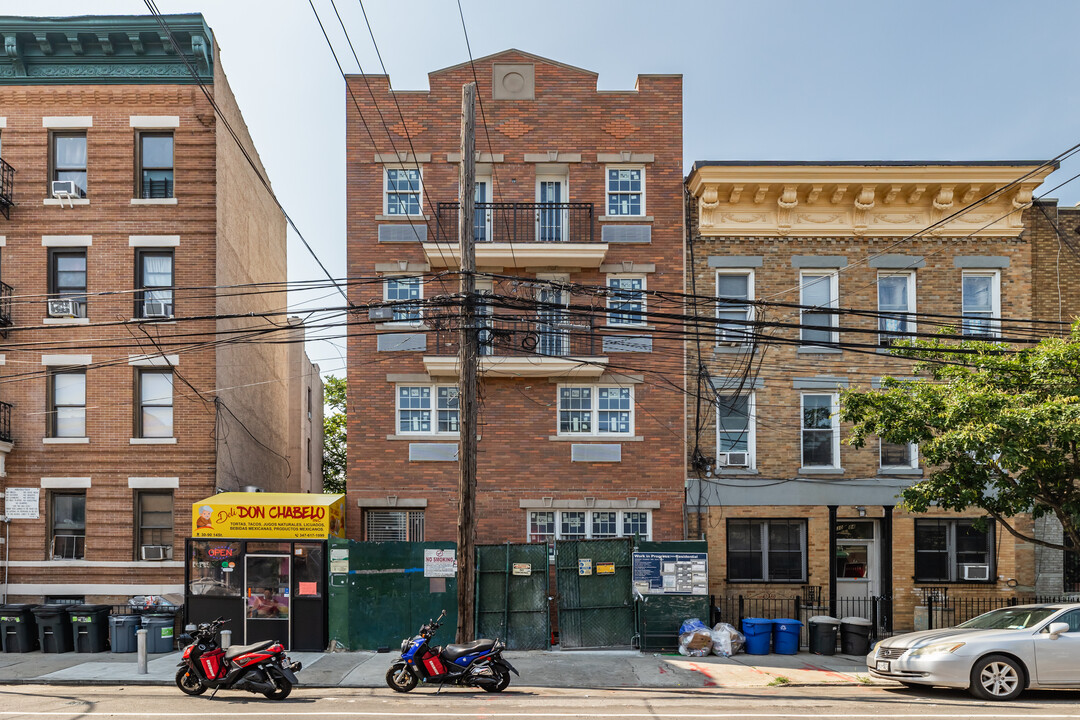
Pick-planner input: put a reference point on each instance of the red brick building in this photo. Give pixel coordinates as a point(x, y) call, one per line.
point(126, 202)
point(579, 436)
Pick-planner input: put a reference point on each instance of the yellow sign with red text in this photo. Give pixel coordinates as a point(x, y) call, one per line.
point(285, 516)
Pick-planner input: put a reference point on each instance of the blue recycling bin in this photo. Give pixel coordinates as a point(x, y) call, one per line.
point(786, 636)
point(758, 632)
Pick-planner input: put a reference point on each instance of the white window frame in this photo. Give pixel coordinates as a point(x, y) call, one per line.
point(419, 300)
point(721, 339)
point(589, 529)
point(910, 329)
point(834, 302)
point(386, 189)
point(414, 520)
point(913, 449)
point(434, 410)
point(995, 302)
point(594, 410)
point(639, 322)
point(608, 193)
point(834, 421)
point(751, 431)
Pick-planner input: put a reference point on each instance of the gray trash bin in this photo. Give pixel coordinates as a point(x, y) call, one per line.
point(122, 633)
point(855, 636)
point(823, 634)
point(159, 633)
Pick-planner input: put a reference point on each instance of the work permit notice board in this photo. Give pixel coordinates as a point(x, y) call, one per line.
point(659, 573)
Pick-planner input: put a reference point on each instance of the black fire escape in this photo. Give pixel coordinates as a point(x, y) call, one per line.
point(7, 188)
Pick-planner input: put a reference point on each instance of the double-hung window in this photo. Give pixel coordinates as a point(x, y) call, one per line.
point(67, 531)
point(766, 550)
point(401, 291)
point(820, 431)
point(896, 303)
point(154, 525)
point(67, 403)
point(735, 430)
point(154, 418)
point(953, 550)
point(67, 159)
point(155, 157)
point(394, 525)
point(734, 313)
point(626, 301)
point(625, 191)
point(899, 456)
point(154, 283)
point(820, 299)
point(427, 410)
point(596, 410)
point(67, 278)
point(548, 525)
point(981, 303)
point(403, 188)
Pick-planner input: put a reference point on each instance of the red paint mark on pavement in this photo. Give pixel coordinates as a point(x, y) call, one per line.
point(827, 671)
point(704, 670)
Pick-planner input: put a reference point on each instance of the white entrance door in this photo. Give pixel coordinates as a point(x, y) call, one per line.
point(856, 557)
point(551, 209)
point(482, 216)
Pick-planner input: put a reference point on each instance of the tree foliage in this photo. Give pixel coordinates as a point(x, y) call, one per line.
point(998, 427)
point(334, 435)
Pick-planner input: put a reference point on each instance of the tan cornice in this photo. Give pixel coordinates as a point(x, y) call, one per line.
point(521, 255)
point(875, 200)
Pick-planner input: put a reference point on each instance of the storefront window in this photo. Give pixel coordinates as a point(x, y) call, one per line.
point(215, 568)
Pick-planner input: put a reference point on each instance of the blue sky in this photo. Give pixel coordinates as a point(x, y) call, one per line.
point(780, 80)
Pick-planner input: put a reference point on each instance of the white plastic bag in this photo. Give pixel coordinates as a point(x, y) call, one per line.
point(726, 640)
point(695, 638)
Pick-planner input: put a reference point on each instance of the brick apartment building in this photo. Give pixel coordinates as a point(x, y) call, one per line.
point(119, 410)
point(578, 438)
point(787, 507)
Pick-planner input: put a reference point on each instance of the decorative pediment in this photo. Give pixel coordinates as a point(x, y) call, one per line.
point(889, 199)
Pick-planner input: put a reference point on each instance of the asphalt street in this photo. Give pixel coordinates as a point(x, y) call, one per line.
point(39, 701)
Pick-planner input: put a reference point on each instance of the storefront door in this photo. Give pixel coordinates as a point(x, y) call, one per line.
point(856, 558)
point(267, 598)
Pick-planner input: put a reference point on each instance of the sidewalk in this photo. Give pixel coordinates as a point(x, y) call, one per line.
point(578, 669)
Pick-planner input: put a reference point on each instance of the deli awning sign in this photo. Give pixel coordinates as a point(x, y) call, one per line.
point(440, 563)
point(287, 516)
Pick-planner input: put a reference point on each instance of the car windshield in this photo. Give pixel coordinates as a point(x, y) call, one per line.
point(1009, 619)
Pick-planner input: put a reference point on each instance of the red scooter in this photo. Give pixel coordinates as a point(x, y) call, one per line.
point(260, 668)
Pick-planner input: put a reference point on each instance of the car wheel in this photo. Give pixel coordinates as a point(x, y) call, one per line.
point(996, 677)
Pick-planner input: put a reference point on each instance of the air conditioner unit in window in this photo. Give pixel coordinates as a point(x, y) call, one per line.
point(157, 309)
point(975, 572)
point(733, 459)
point(381, 313)
point(64, 308)
point(66, 189)
point(156, 552)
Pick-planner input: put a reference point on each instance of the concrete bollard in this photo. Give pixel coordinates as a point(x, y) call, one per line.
point(140, 641)
point(226, 639)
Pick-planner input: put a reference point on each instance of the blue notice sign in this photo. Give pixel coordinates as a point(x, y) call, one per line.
point(657, 573)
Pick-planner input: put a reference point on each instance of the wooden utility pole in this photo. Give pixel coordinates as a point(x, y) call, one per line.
point(467, 359)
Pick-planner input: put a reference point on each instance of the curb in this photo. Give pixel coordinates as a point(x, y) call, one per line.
point(317, 686)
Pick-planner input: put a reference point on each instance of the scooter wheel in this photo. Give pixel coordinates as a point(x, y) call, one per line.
point(283, 689)
point(188, 682)
point(503, 676)
point(400, 679)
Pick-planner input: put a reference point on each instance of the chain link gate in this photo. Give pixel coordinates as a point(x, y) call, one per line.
point(595, 610)
point(510, 604)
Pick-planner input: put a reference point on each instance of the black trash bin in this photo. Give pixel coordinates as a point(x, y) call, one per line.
point(122, 630)
point(89, 627)
point(854, 636)
point(54, 628)
point(823, 634)
point(18, 631)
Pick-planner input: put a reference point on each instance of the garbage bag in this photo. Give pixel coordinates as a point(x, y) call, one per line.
point(726, 640)
point(695, 638)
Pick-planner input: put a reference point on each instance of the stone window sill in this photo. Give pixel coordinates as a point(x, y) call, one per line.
point(596, 438)
point(152, 441)
point(65, 321)
point(735, 471)
point(819, 351)
point(821, 471)
point(900, 471)
point(430, 437)
point(153, 201)
point(65, 441)
point(733, 349)
point(156, 321)
point(402, 218)
point(626, 218)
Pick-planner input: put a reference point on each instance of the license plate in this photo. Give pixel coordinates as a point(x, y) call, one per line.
point(883, 666)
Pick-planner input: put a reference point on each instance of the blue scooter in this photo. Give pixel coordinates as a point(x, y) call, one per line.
point(476, 664)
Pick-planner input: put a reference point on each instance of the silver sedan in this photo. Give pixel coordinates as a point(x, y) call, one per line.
point(994, 656)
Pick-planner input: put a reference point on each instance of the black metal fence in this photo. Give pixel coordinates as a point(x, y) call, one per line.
point(942, 611)
point(736, 608)
point(7, 188)
point(549, 333)
point(520, 222)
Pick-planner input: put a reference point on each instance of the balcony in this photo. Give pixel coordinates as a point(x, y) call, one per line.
point(5, 308)
point(5, 424)
point(7, 188)
point(521, 234)
point(545, 345)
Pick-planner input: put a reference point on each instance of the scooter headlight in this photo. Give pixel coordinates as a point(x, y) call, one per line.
point(404, 645)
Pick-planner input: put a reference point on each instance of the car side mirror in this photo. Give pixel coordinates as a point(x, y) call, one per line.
point(1056, 629)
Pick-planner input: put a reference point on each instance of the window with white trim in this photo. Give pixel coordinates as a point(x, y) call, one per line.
point(896, 305)
point(820, 431)
point(626, 191)
point(981, 303)
point(766, 550)
point(734, 312)
point(819, 296)
point(735, 430)
point(402, 191)
point(626, 301)
point(394, 525)
point(427, 410)
point(549, 525)
point(596, 410)
point(398, 290)
point(898, 455)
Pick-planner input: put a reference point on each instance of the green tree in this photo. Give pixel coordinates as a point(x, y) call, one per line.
point(334, 434)
point(998, 427)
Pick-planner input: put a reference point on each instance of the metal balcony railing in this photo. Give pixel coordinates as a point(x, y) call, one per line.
point(5, 305)
point(5, 422)
point(547, 334)
point(521, 222)
point(7, 188)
